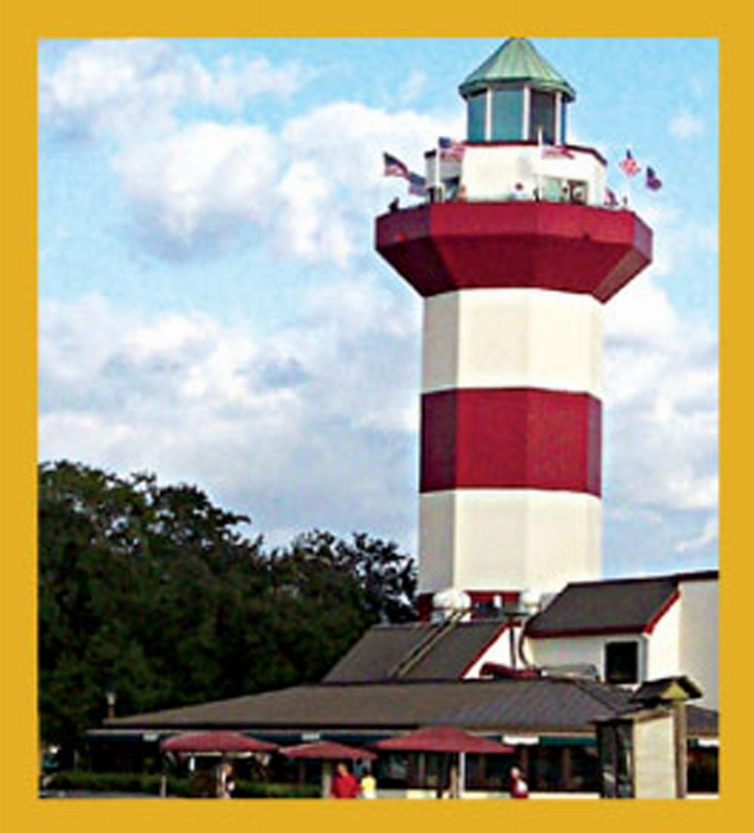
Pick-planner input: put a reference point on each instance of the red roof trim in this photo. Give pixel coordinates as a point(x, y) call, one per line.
point(549, 634)
point(650, 626)
point(480, 653)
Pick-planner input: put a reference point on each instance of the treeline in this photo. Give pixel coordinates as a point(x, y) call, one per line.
point(153, 593)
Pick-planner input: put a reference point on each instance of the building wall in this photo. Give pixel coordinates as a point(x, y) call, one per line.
point(491, 172)
point(663, 645)
point(499, 652)
point(571, 650)
point(699, 637)
point(654, 758)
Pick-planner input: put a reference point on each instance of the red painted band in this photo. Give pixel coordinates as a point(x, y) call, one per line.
point(517, 438)
point(442, 247)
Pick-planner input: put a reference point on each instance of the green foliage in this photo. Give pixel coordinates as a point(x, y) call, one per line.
point(123, 782)
point(154, 592)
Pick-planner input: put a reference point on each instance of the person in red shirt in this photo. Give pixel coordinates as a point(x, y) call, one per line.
point(344, 785)
point(518, 788)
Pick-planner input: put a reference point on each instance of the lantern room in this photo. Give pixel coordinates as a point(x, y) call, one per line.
point(516, 96)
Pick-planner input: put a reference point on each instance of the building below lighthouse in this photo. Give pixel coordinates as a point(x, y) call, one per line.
point(515, 252)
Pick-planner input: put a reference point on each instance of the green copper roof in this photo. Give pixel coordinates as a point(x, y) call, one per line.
point(517, 61)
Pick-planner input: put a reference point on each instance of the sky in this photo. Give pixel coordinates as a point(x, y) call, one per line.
point(212, 310)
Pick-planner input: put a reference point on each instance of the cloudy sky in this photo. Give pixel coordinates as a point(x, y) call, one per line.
point(212, 310)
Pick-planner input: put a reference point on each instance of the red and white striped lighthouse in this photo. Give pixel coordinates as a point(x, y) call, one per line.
point(514, 253)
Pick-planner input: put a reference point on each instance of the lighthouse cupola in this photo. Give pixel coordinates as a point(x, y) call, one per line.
point(516, 96)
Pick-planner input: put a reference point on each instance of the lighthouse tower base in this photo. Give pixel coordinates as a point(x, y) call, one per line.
point(476, 539)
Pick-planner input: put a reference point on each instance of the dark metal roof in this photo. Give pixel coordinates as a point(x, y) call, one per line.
point(539, 706)
point(415, 651)
point(618, 606)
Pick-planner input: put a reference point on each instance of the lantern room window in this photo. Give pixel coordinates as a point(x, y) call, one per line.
point(477, 117)
point(507, 115)
point(542, 116)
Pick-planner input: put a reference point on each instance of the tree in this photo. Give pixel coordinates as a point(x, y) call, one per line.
point(155, 593)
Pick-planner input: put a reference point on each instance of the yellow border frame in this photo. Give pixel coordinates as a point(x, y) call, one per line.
point(21, 24)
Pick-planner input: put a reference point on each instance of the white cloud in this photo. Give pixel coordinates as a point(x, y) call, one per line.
point(195, 186)
point(661, 399)
point(131, 87)
point(686, 125)
point(283, 427)
point(706, 536)
point(412, 87)
point(310, 192)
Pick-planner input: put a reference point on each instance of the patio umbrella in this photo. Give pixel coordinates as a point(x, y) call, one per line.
point(327, 752)
point(217, 742)
point(226, 744)
point(444, 739)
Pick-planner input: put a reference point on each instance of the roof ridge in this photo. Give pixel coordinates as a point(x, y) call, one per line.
point(589, 686)
point(681, 576)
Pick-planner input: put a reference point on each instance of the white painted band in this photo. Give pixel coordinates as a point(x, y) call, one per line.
point(498, 338)
point(510, 539)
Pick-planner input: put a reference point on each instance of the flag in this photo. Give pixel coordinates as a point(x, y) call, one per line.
point(394, 167)
point(653, 183)
point(450, 150)
point(417, 184)
point(610, 199)
point(629, 165)
point(556, 152)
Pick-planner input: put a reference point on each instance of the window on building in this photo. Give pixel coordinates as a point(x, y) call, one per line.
point(622, 662)
point(542, 116)
point(507, 115)
point(477, 116)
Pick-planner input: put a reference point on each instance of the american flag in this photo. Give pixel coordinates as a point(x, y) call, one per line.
point(653, 183)
point(394, 167)
point(450, 150)
point(417, 184)
point(629, 165)
point(556, 152)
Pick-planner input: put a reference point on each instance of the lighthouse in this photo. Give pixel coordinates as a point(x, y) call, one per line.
point(514, 253)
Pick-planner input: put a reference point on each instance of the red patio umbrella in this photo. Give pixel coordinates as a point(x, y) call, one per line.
point(327, 752)
point(448, 740)
point(443, 739)
point(220, 742)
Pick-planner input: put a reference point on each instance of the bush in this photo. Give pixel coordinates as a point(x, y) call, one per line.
point(126, 782)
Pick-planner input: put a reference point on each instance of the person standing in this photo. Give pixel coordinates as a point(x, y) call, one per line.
point(344, 785)
point(368, 785)
point(518, 788)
